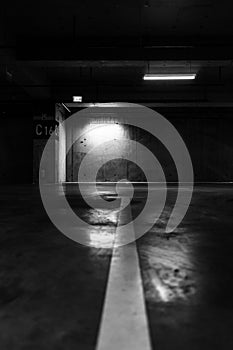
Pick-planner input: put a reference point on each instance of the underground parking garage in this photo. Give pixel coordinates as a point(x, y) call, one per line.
point(116, 175)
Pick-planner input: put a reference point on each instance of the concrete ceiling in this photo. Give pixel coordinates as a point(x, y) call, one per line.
point(53, 50)
point(139, 20)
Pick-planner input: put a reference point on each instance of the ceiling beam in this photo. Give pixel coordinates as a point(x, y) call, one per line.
point(126, 63)
point(78, 53)
point(153, 104)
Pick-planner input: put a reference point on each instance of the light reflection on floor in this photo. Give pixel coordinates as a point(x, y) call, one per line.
point(102, 226)
point(101, 217)
point(101, 237)
point(187, 275)
point(168, 276)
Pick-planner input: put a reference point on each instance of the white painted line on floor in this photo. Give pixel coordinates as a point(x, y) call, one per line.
point(124, 322)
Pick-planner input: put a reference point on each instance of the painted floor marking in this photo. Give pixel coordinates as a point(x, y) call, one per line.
point(124, 322)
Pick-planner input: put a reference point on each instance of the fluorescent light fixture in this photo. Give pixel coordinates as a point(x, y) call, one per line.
point(77, 98)
point(169, 76)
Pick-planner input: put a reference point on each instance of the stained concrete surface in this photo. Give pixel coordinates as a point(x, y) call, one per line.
point(52, 289)
point(188, 275)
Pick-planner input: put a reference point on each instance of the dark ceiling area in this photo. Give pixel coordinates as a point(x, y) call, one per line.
point(50, 51)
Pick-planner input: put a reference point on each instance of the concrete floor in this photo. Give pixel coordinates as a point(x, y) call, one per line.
point(52, 289)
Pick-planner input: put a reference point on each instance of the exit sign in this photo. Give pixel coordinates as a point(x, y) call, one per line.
point(77, 98)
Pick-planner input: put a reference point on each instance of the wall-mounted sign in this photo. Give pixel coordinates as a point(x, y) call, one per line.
point(43, 129)
point(77, 98)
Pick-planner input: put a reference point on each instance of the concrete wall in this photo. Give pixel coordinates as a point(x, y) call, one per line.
point(15, 145)
point(207, 134)
point(43, 122)
point(115, 149)
point(46, 120)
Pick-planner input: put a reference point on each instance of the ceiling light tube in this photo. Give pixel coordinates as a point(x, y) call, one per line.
point(169, 76)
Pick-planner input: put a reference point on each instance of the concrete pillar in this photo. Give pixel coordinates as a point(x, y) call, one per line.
point(60, 144)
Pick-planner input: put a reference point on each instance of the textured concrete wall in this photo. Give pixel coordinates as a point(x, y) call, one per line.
point(48, 168)
point(208, 137)
point(207, 134)
point(118, 168)
point(44, 124)
point(15, 146)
